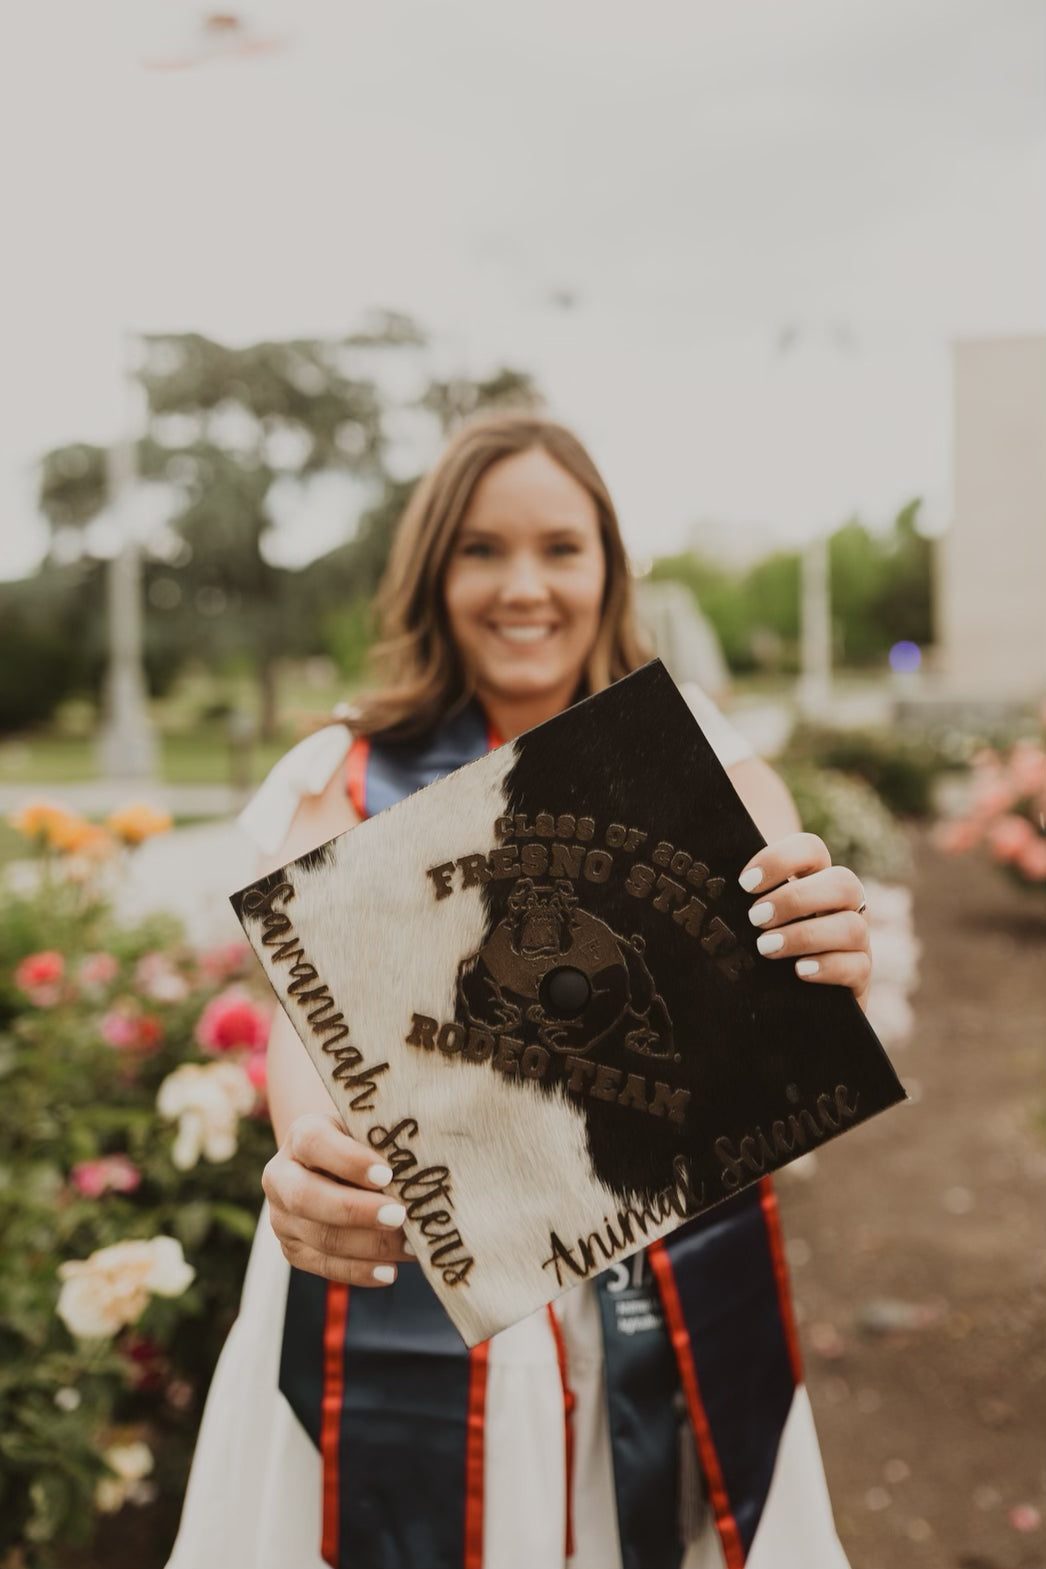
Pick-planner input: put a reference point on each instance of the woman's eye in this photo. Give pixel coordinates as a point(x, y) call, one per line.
point(564, 547)
point(480, 548)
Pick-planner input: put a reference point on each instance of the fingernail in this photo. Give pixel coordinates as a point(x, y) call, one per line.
point(806, 967)
point(386, 1273)
point(392, 1214)
point(379, 1175)
point(770, 942)
point(751, 879)
point(759, 914)
point(408, 1247)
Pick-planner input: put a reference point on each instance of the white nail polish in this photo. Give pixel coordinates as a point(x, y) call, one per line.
point(392, 1214)
point(751, 879)
point(770, 942)
point(379, 1175)
point(386, 1273)
point(408, 1247)
point(759, 914)
point(806, 967)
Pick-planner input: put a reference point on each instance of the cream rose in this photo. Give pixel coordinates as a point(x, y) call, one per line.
point(103, 1293)
point(207, 1101)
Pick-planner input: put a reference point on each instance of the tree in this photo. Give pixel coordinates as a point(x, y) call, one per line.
point(225, 426)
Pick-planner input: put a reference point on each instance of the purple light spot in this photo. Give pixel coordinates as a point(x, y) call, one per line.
point(905, 658)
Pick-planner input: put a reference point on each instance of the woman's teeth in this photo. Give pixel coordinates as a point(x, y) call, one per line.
point(524, 634)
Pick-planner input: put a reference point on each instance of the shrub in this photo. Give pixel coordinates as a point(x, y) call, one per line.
point(849, 816)
point(128, 1193)
point(1007, 813)
point(900, 769)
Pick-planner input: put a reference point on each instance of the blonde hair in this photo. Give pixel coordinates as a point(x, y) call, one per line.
point(419, 674)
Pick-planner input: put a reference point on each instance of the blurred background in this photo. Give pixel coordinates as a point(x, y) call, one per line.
point(781, 267)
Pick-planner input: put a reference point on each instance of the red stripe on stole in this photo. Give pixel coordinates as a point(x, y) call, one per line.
point(729, 1535)
point(772, 1221)
point(475, 1446)
point(356, 775)
point(569, 1402)
point(330, 1417)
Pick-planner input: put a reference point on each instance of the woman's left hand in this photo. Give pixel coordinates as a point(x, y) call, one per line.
point(810, 913)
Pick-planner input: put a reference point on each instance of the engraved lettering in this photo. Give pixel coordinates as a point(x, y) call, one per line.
point(669, 893)
point(566, 860)
point(451, 1038)
point(506, 1059)
point(533, 860)
point(534, 1062)
point(473, 871)
point(691, 916)
point(669, 1103)
point(607, 1082)
point(422, 1031)
point(640, 880)
point(598, 866)
point(479, 1046)
point(504, 861)
point(441, 876)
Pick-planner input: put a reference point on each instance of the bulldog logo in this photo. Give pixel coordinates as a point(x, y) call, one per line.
point(561, 978)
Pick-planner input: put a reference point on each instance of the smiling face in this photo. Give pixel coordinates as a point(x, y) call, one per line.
point(524, 587)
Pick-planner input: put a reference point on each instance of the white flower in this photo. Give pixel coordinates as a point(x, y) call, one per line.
point(207, 1100)
point(67, 1398)
point(103, 1293)
point(110, 1495)
point(130, 1461)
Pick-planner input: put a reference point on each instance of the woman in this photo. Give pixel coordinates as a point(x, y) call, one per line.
point(507, 596)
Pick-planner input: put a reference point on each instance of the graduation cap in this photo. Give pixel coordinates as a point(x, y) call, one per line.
point(533, 989)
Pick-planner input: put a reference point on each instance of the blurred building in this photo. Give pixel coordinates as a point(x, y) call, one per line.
point(991, 581)
point(682, 636)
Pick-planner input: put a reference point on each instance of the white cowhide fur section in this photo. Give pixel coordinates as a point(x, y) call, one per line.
point(386, 948)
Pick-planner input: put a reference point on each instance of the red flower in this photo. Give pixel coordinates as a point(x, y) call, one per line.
point(126, 1028)
point(232, 1022)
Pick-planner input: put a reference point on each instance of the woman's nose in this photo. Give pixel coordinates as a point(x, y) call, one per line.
point(524, 581)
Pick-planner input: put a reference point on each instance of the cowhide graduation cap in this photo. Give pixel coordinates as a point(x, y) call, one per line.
point(534, 990)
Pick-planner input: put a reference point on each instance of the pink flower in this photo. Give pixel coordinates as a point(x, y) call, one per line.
point(232, 1021)
point(108, 1174)
point(1031, 860)
point(40, 969)
point(97, 970)
point(1028, 767)
point(222, 963)
point(128, 1029)
point(1009, 836)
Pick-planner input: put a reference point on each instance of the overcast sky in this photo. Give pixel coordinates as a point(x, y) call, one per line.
point(860, 181)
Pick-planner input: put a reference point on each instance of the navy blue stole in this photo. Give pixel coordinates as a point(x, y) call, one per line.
point(700, 1334)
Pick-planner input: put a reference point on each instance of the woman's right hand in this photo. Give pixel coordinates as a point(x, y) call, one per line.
point(328, 1206)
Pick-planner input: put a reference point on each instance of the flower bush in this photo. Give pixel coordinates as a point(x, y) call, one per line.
point(1007, 812)
point(132, 1138)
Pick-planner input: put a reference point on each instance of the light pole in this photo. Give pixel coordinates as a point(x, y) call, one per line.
point(128, 741)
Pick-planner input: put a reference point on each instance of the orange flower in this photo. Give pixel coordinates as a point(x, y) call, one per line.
point(137, 821)
point(43, 820)
point(76, 836)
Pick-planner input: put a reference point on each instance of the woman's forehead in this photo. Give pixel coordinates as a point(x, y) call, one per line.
point(530, 489)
